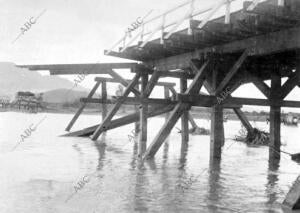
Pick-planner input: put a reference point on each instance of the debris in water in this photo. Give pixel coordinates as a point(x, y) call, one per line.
point(256, 138)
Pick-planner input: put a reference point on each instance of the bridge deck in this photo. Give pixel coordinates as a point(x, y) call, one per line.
point(267, 29)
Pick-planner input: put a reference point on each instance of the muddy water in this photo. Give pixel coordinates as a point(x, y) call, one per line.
point(47, 173)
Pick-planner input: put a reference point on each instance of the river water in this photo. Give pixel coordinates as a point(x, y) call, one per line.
point(43, 172)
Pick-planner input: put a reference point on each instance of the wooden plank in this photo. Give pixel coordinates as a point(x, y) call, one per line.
point(87, 71)
point(80, 67)
point(102, 127)
point(128, 119)
point(232, 72)
point(79, 111)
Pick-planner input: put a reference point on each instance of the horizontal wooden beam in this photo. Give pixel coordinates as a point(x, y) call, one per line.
point(79, 68)
point(177, 74)
point(259, 45)
point(206, 100)
point(156, 102)
point(130, 101)
point(112, 80)
point(79, 71)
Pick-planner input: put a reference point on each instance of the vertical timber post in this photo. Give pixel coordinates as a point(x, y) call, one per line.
point(167, 96)
point(217, 126)
point(274, 150)
point(104, 98)
point(136, 124)
point(184, 118)
point(143, 117)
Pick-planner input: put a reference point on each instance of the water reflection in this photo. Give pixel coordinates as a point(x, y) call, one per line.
point(101, 150)
point(214, 186)
point(166, 151)
point(238, 181)
point(133, 162)
point(183, 155)
point(271, 187)
point(140, 202)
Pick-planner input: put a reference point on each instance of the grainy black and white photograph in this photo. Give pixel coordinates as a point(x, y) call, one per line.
point(174, 106)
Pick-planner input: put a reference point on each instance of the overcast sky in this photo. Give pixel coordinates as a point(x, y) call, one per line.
point(77, 31)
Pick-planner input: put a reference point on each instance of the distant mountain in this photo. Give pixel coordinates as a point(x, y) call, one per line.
point(13, 79)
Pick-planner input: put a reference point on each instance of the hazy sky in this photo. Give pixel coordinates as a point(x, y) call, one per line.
point(76, 31)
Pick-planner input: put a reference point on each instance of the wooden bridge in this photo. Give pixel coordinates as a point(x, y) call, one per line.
point(260, 41)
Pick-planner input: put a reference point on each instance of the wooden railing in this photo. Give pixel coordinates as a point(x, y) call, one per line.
point(208, 12)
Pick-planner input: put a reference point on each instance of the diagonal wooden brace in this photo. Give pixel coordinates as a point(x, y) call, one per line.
point(261, 85)
point(179, 109)
point(102, 127)
point(123, 81)
point(232, 72)
point(290, 84)
point(79, 111)
point(166, 129)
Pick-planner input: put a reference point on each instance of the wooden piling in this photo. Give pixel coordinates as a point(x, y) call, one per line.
point(274, 150)
point(166, 96)
point(143, 118)
point(104, 97)
point(217, 126)
point(184, 117)
point(217, 132)
point(136, 124)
